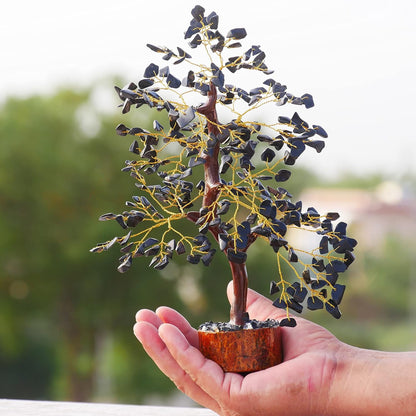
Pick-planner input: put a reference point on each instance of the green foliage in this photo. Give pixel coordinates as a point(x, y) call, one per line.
point(53, 180)
point(358, 181)
point(27, 374)
point(392, 270)
point(379, 308)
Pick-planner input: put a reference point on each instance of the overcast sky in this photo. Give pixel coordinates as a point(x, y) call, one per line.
point(357, 58)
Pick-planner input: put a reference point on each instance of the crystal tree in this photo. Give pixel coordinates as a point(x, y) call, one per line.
point(225, 177)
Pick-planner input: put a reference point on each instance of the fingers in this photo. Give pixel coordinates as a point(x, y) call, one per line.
point(206, 374)
point(155, 347)
point(170, 316)
point(147, 334)
point(146, 315)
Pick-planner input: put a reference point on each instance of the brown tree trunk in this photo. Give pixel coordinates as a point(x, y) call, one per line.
point(212, 187)
point(76, 341)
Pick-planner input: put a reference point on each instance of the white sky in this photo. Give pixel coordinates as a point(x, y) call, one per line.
point(357, 58)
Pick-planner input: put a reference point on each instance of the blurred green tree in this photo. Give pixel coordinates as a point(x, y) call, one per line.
point(380, 310)
point(55, 177)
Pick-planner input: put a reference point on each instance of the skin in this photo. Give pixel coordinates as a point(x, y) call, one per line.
point(320, 375)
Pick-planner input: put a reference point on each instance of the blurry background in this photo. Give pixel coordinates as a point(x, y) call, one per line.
point(65, 314)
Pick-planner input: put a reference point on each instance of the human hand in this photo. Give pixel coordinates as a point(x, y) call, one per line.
point(299, 386)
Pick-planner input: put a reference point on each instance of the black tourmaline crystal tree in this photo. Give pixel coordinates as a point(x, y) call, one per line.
point(224, 173)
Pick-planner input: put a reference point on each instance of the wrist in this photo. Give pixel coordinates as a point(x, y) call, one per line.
point(368, 382)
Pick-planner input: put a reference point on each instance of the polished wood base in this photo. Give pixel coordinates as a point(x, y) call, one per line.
point(242, 351)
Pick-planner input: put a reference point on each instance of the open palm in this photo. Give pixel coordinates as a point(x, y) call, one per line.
point(298, 386)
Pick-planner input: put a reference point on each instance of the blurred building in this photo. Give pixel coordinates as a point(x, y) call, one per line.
point(372, 215)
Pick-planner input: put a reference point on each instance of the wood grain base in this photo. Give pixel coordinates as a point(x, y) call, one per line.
point(242, 351)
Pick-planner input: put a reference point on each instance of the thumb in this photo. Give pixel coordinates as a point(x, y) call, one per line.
point(258, 306)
